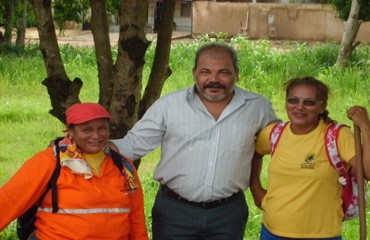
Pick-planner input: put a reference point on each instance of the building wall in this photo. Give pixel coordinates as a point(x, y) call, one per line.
point(313, 22)
point(182, 23)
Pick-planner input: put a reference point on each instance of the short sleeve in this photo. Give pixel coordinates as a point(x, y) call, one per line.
point(263, 140)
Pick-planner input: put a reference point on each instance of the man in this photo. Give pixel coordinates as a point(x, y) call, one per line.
point(207, 134)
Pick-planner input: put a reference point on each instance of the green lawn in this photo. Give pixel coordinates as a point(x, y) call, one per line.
point(27, 127)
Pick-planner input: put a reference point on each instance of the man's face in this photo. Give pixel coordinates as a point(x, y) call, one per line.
point(215, 76)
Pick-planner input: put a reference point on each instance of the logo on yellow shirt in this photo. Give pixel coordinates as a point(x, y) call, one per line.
point(309, 162)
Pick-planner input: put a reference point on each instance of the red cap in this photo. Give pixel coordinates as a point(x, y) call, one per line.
point(84, 112)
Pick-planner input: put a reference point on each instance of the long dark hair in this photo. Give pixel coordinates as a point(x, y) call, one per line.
point(321, 89)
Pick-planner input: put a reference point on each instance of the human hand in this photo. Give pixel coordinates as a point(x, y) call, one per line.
point(112, 146)
point(52, 142)
point(360, 117)
point(258, 193)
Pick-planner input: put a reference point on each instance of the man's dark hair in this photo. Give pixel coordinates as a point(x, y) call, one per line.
point(218, 47)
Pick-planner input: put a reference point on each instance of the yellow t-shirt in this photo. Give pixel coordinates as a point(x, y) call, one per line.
point(95, 161)
point(303, 197)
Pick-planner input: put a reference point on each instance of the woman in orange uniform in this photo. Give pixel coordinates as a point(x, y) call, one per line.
point(96, 199)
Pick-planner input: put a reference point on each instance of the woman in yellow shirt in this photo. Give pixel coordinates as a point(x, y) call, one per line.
point(303, 195)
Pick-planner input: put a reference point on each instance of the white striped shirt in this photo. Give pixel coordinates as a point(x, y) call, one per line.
point(202, 159)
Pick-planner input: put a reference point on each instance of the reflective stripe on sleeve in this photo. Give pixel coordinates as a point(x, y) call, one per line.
point(86, 211)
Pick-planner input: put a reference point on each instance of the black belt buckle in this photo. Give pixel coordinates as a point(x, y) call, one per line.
point(205, 205)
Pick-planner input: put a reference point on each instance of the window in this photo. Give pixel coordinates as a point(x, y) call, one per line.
point(185, 9)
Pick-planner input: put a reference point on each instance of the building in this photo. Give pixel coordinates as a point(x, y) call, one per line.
point(182, 19)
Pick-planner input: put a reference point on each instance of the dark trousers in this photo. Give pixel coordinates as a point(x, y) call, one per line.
point(175, 220)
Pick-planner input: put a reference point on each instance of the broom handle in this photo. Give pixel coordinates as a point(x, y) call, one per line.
point(360, 182)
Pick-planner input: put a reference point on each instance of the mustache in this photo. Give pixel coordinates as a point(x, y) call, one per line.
point(214, 85)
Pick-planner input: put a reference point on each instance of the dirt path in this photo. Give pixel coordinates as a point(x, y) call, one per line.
point(81, 38)
point(85, 38)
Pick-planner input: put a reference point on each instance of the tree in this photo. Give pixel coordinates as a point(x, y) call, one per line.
point(15, 15)
point(9, 14)
point(355, 11)
point(66, 10)
point(120, 80)
point(21, 22)
point(160, 70)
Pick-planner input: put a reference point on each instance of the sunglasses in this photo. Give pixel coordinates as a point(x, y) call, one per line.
point(306, 102)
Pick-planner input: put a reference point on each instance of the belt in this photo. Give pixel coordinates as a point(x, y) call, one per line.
point(205, 205)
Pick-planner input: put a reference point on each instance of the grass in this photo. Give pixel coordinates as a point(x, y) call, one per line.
point(27, 127)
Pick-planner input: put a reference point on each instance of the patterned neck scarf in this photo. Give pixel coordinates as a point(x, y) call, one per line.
point(71, 157)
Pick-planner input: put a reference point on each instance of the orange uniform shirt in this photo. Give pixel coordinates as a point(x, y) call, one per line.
point(95, 208)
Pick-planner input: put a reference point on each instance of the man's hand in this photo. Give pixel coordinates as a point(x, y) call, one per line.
point(112, 146)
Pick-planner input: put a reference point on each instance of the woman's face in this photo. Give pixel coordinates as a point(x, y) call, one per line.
point(90, 136)
point(303, 108)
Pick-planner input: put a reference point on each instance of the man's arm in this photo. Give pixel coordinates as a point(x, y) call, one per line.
point(258, 192)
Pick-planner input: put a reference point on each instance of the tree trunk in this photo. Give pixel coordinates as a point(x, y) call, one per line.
point(100, 30)
point(351, 28)
point(9, 13)
point(128, 69)
point(62, 91)
point(120, 82)
point(21, 25)
point(160, 70)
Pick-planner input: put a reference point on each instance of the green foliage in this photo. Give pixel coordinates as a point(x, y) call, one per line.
point(85, 5)
point(344, 6)
point(67, 10)
point(76, 11)
point(18, 11)
point(27, 126)
point(113, 7)
point(10, 232)
point(220, 36)
point(10, 51)
point(2, 11)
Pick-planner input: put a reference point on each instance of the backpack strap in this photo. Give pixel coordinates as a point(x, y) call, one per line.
point(331, 147)
point(53, 181)
point(52, 184)
point(127, 169)
point(347, 177)
point(275, 135)
point(117, 159)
